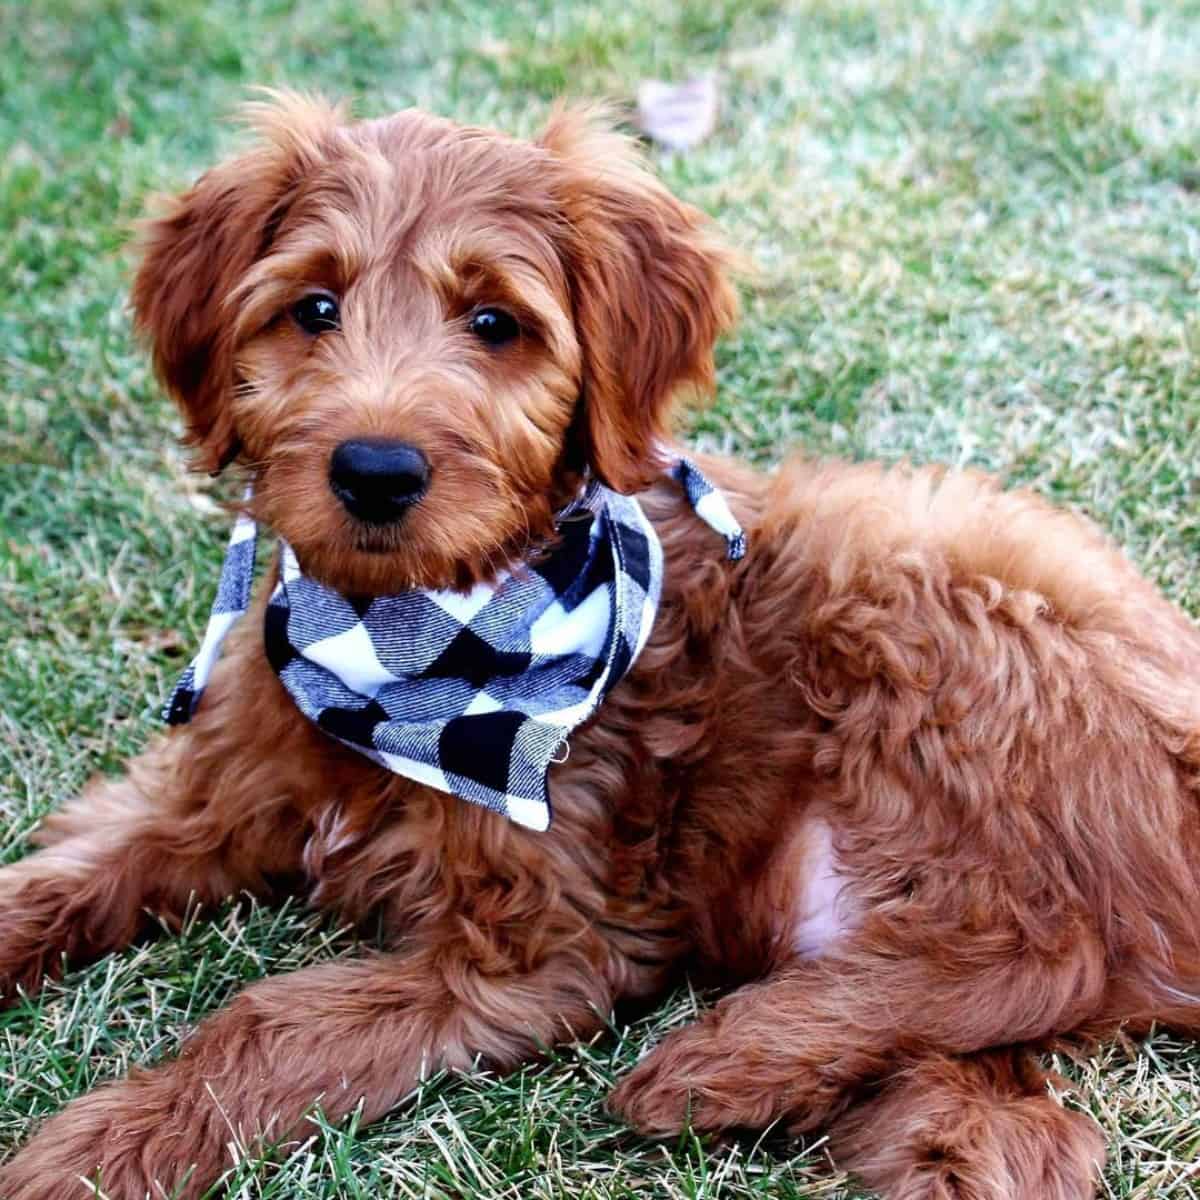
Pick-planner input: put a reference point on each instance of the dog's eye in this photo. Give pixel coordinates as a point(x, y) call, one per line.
point(317, 313)
point(494, 326)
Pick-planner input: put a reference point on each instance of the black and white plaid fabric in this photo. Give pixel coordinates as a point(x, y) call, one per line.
point(233, 598)
point(709, 505)
point(472, 694)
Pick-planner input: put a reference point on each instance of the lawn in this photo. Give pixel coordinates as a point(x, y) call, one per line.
point(977, 230)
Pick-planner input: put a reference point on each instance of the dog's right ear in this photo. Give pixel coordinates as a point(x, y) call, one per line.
point(195, 251)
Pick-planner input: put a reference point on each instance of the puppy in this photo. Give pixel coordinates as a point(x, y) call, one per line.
point(915, 779)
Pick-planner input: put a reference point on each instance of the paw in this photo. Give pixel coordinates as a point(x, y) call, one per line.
point(924, 1140)
point(1054, 1154)
point(651, 1100)
point(692, 1081)
point(963, 1180)
point(116, 1135)
point(943, 1175)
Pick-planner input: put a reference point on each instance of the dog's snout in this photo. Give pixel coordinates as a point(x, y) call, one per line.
point(376, 479)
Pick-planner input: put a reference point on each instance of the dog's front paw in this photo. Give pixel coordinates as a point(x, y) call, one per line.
point(107, 1143)
point(691, 1080)
point(654, 1104)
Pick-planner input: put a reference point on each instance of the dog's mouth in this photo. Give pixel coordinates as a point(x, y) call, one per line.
point(376, 542)
point(382, 560)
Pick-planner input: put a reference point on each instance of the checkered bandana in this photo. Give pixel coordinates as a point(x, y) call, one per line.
point(472, 694)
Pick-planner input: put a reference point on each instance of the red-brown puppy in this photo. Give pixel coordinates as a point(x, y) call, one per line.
point(916, 779)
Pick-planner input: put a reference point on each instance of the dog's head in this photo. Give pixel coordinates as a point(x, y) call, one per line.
point(418, 335)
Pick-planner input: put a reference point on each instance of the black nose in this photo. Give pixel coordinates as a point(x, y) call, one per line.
point(376, 479)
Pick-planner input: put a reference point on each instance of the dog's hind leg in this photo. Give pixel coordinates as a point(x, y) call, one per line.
point(982, 1127)
point(797, 1047)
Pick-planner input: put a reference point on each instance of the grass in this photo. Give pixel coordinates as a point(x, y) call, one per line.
point(978, 230)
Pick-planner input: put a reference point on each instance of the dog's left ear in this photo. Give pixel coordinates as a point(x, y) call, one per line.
point(649, 291)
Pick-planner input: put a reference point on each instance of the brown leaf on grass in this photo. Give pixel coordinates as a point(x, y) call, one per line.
point(678, 115)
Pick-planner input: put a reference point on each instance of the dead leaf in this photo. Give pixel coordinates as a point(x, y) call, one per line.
point(678, 115)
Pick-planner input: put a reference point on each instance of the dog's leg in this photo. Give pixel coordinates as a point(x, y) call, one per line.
point(333, 1035)
point(795, 1047)
point(977, 1128)
point(194, 819)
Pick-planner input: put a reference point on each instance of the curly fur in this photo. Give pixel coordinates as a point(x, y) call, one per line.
point(958, 711)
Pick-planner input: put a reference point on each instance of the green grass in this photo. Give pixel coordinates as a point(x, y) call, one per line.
point(978, 232)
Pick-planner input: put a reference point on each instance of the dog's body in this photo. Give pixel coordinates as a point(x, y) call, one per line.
point(916, 778)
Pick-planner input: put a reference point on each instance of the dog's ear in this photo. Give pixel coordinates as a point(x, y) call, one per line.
point(196, 250)
point(649, 289)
